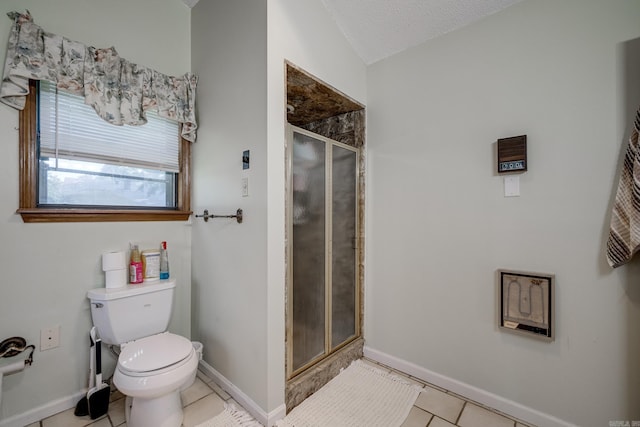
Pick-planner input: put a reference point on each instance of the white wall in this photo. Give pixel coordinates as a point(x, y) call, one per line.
point(566, 74)
point(303, 33)
point(229, 259)
point(239, 49)
point(47, 268)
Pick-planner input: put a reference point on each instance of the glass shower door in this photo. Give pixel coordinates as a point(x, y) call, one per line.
point(343, 247)
point(323, 296)
point(308, 252)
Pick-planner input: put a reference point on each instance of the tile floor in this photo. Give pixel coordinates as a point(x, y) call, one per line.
point(202, 401)
point(434, 407)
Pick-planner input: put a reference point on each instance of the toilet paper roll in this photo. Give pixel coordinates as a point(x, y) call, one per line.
point(116, 278)
point(113, 261)
point(13, 368)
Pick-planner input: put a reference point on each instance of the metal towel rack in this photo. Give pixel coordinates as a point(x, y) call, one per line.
point(206, 216)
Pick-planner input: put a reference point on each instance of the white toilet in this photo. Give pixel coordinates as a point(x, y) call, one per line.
point(154, 365)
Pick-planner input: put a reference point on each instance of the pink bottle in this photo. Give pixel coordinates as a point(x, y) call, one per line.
point(135, 266)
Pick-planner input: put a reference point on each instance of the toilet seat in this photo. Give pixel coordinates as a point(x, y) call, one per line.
point(154, 396)
point(154, 355)
point(156, 383)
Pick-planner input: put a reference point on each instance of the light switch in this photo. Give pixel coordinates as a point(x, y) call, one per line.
point(512, 186)
point(245, 187)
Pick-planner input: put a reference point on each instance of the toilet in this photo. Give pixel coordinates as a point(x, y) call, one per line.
point(154, 365)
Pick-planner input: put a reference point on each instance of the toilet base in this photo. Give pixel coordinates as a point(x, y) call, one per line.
point(163, 411)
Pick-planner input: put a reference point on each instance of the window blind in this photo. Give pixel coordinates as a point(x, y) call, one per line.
point(71, 129)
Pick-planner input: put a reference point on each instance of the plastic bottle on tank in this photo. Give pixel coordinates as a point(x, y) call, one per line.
point(164, 261)
point(135, 266)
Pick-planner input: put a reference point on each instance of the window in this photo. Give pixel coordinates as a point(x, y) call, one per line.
point(85, 161)
point(82, 168)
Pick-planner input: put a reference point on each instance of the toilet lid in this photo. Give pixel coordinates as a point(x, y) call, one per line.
point(154, 352)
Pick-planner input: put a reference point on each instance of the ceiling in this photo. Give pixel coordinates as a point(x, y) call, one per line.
point(378, 29)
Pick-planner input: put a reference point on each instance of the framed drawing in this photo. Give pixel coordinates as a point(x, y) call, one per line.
point(526, 303)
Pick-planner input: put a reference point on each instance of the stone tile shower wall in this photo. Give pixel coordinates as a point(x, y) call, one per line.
point(347, 128)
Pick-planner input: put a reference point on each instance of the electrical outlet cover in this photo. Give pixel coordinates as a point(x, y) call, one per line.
point(50, 338)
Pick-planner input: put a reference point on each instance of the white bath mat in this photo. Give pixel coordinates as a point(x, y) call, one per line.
point(231, 417)
point(360, 396)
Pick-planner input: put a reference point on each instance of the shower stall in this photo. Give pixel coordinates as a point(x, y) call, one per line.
point(323, 297)
point(325, 178)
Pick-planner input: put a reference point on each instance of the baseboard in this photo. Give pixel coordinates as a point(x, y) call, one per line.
point(264, 418)
point(68, 402)
point(470, 392)
point(44, 411)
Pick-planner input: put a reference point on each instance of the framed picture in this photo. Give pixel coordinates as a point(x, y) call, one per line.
point(526, 303)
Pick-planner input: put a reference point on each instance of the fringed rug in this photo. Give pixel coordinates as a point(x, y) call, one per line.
point(360, 396)
point(231, 417)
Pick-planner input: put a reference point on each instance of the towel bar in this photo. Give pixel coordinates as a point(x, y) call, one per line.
point(206, 216)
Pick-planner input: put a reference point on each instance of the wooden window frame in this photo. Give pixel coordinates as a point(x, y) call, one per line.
point(31, 212)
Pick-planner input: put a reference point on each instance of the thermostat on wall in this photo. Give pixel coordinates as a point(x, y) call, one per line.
point(512, 154)
point(245, 159)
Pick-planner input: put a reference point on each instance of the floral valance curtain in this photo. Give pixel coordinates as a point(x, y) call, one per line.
point(117, 89)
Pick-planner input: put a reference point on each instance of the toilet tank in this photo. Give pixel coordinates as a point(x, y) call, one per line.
point(135, 311)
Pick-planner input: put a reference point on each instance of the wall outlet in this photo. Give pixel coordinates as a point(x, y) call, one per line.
point(50, 338)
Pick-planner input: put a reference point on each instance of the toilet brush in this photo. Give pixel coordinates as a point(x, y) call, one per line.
point(98, 396)
point(82, 408)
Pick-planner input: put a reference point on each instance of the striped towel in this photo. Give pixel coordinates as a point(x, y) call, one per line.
point(624, 233)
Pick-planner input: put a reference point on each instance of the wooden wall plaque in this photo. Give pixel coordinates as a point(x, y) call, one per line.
point(512, 154)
